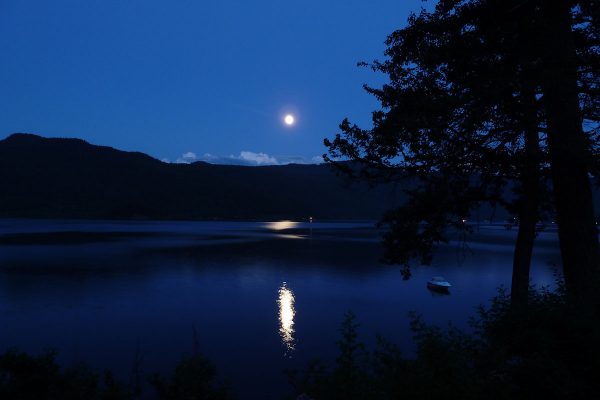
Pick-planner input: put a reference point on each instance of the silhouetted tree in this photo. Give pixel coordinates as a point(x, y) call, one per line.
point(479, 100)
point(194, 378)
point(570, 152)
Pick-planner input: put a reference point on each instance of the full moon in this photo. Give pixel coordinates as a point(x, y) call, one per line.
point(289, 119)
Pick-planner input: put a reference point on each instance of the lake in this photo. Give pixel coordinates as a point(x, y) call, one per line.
point(256, 298)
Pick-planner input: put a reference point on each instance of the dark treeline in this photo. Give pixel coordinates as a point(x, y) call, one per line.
point(26, 377)
point(69, 178)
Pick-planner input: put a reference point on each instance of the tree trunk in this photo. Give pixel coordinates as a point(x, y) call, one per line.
point(528, 201)
point(569, 155)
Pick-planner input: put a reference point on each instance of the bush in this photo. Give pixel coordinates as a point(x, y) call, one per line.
point(548, 350)
point(26, 377)
point(194, 378)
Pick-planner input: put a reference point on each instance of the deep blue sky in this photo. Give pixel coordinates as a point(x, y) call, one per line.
point(171, 77)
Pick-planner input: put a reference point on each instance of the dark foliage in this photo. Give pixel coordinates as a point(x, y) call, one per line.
point(546, 351)
point(194, 378)
point(25, 377)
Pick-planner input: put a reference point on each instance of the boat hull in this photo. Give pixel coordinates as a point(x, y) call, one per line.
point(438, 287)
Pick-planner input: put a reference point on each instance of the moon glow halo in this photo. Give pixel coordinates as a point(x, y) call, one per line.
point(289, 119)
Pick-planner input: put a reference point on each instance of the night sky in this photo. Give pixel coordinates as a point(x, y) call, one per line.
point(208, 79)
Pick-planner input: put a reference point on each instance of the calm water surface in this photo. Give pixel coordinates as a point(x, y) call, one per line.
point(261, 297)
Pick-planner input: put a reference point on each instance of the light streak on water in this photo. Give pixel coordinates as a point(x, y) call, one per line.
point(286, 318)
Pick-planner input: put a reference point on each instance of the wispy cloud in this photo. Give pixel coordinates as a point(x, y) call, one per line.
point(245, 157)
point(187, 158)
point(257, 158)
point(317, 160)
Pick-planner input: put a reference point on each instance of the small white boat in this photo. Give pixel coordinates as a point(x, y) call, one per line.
point(439, 283)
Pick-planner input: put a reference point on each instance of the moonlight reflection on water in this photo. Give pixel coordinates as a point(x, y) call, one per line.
point(281, 225)
point(286, 318)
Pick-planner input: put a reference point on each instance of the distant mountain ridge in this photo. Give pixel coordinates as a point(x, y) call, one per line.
point(70, 178)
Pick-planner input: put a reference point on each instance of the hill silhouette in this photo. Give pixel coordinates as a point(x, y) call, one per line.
point(70, 178)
